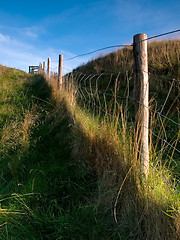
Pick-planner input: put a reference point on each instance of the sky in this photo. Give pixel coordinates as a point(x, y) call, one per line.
point(32, 31)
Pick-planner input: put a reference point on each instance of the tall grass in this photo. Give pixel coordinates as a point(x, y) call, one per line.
point(71, 172)
point(163, 58)
point(137, 211)
point(155, 199)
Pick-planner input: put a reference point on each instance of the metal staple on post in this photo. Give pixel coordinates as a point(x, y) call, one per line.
point(141, 110)
point(60, 72)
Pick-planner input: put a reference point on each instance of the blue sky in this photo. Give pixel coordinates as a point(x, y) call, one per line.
point(32, 31)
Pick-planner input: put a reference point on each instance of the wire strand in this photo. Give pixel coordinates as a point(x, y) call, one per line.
point(98, 50)
point(163, 34)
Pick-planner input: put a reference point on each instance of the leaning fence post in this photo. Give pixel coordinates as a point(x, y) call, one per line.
point(141, 99)
point(48, 68)
point(60, 72)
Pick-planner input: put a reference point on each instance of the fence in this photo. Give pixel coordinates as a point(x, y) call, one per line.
point(160, 122)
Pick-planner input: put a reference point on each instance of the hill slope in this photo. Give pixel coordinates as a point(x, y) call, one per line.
point(163, 59)
point(66, 174)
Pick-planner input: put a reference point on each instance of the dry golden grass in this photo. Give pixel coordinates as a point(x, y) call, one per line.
point(143, 210)
point(163, 58)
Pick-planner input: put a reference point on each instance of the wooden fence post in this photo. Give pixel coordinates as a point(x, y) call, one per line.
point(40, 67)
point(60, 72)
point(141, 99)
point(44, 66)
point(49, 68)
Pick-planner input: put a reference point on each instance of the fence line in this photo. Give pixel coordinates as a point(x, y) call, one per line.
point(88, 90)
point(143, 126)
point(122, 45)
point(154, 111)
point(109, 73)
point(154, 168)
point(98, 50)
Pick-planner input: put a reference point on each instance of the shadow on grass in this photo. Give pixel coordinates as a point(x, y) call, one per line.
point(69, 199)
point(139, 213)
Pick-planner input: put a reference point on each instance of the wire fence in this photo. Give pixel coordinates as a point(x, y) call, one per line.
point(100, 92)
point(94, 97)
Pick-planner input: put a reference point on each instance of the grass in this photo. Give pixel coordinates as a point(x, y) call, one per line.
point(163, 58)
point(111, 154)
point(45, 193)
point(68, 172)
point(109, 79)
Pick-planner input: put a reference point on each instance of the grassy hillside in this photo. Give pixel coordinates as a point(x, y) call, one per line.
point(163, 61)
point(108, 81)
point(67, 173)
point(46, 192)
point(163, 58)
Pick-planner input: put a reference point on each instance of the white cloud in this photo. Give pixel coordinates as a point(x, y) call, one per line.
point(14, 53)
point(29, 32)
point(19, 54)
point(4, 38)
point(32, 32)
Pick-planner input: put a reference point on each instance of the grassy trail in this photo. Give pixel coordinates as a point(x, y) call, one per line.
point(48, 188)
point(44, 194)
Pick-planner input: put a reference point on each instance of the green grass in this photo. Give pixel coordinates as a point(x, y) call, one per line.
point(106, 89)
point(45, 193)
point(63, 168)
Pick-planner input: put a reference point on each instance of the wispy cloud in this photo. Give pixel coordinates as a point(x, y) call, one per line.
point(29, 32)
point(19, 54)
point(32, 32)
point(4, 38)
point(151, 18)
point(15, 53)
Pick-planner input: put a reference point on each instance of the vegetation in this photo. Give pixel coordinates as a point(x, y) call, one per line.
point(110, 79)
point(71, 172)
point(163, 57)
